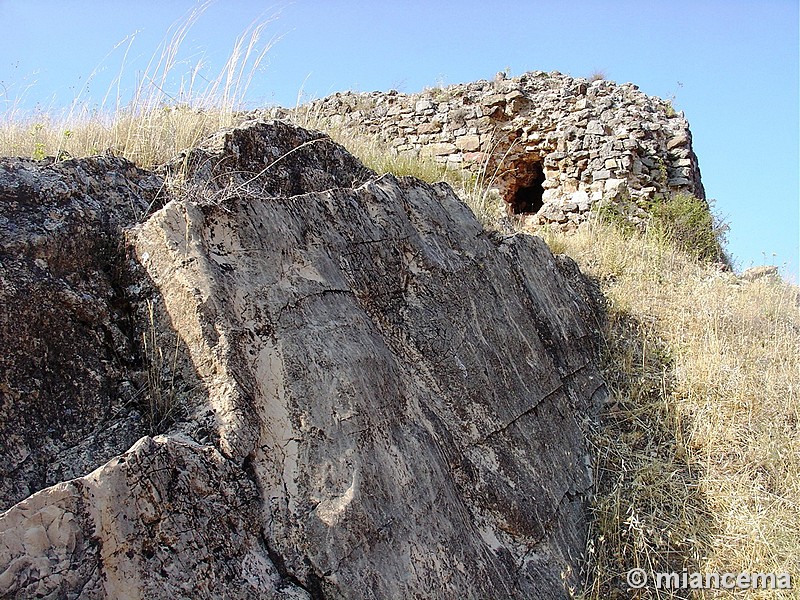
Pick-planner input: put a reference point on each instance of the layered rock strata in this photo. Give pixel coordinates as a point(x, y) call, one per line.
point(369, 396)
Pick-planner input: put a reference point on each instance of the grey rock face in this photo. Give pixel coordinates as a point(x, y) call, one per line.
point(64, 328)
point(390, 401)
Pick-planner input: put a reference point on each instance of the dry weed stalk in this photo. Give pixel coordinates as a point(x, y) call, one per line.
point(163, 116)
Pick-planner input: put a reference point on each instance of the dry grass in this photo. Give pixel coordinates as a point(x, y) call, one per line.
point(470, 188)
point(698, 454)
point(475, 190)
point(171, 109)
point(148, 138)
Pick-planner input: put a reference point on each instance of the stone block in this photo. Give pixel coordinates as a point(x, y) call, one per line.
point(678, 182)
point(570, 185)
point(678, 140)
point(549, 196)
point(476, 157)
point(438, 149)
point(581, 198)
point(595, 128)
point(494, 100)
point(468, 143)
point(681, 172)
point(429, 127)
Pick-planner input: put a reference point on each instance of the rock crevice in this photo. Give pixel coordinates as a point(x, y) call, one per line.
point(380, 400)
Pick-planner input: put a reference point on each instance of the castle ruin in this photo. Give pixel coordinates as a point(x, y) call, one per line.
point(552, 146)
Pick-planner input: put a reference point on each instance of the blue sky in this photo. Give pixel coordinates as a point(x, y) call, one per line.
point(731, 66)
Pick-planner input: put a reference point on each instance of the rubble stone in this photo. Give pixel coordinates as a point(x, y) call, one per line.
point(541, 118)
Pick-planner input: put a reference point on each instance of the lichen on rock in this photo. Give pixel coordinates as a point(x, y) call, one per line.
point(382, 399)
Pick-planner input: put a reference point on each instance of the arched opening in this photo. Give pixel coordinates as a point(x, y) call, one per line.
point(526, 197)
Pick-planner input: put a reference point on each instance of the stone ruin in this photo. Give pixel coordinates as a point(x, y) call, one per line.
point(552, 146)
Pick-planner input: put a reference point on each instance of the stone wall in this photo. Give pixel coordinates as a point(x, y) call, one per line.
point(551, 145)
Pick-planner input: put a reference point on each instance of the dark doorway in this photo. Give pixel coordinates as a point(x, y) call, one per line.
point(527, 198)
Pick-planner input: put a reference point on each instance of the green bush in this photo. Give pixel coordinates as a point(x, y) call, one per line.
point(688, 223)
point(612, 213)
point(682, 221)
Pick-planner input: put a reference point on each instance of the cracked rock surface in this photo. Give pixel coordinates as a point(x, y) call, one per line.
point(65, 334)
point(378, 398)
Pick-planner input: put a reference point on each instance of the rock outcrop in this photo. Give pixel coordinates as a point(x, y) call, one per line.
point(65, 332)
point(340, 385)
point(551, 145)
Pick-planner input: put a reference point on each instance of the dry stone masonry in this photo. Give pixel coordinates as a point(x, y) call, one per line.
point(551, 145)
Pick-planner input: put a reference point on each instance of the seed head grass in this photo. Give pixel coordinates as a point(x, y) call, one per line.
point(172, 107)
point(698, 450)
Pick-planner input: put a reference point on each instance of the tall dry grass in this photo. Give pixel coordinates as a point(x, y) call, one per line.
point(476, 189)
point(698, 452)
point(171, 108)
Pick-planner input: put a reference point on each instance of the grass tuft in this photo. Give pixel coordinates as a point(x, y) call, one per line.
point(170, 110)
point(475, 190)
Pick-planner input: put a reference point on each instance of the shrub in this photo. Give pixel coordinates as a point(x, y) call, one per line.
point(613, 214)
point(598, 75)
point(688, 223)
point(681, 221)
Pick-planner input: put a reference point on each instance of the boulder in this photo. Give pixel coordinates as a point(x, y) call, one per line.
point(380, 400)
